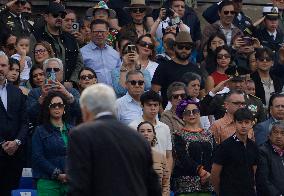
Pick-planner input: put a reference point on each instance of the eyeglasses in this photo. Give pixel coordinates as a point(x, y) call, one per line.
point(87, 77)
point(238, 103)
point(10, 46)
point(56, 105)
point(277, 132)
point(62, 15)
point(221, 56)
point(176, 96)
point(138, 10)
point(184, 46)
point(52, 69)
point(146, 45)
point(264, 59)
point(229, 12)
point(40, 51)
point(191, 112)
point(99, 32)
point(21, 2)
point(134, 82)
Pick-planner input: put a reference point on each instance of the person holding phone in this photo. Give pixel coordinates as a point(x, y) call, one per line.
point(37, 95)
point(130, 62)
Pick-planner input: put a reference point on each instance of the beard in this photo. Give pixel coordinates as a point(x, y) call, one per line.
point(182, 57)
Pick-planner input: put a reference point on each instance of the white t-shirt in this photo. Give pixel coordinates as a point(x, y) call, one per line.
point(28, 64)
point(163, 135)
point(151, 67)
point(164, 24)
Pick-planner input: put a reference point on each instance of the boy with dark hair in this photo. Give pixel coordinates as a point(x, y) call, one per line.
point(235, 161)
point(151, 103)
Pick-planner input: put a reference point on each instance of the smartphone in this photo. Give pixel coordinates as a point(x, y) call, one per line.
point(51, 78)
point(248, 40)
point(75, 27)
point(131, 48)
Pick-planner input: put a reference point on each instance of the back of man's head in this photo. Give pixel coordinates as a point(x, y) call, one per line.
point(98, 98)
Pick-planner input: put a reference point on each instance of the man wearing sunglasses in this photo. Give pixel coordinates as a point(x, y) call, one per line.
point(226, 11)
point(128, 106)
point(10, 16)
point(241, 21)
point(63, 43)
point(172, 71)
point(36, 96)
point(265, 82)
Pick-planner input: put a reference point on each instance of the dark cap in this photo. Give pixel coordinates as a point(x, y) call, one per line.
point(237, 73)
point(55, 8)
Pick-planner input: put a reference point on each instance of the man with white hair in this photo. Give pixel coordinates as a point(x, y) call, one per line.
point(105, 157)
point(37, 95)
point(13, 131)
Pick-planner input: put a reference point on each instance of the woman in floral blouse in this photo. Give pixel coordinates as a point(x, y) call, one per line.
point(193, 147)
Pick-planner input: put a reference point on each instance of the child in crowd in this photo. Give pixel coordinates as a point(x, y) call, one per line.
point(23, 48)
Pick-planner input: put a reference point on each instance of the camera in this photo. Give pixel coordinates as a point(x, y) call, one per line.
point(131, 48)
point(75, 27)
point(247, 40)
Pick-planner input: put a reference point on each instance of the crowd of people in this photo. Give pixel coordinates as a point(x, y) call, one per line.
point(208, 103)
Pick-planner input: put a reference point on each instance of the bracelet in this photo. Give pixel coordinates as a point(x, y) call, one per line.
point(123, 69)
point(55, 173)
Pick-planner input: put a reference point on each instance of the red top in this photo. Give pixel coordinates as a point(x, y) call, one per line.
point(218, 77)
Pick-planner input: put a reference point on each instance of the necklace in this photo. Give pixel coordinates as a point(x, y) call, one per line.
point(267, 82)
point(192, 130)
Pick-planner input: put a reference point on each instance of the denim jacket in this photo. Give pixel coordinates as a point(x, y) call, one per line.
point(48, 152)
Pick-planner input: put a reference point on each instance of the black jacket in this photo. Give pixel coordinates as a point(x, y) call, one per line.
point(69, 56)
point(270, 172)
point(262, 35)
point(259, 90)
point(13, 121)
point(18, 26)
point(106, 158)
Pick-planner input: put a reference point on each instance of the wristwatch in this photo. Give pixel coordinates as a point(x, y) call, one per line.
point(18, 142)
point(123, 69)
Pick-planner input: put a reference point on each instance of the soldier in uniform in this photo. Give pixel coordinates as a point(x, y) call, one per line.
point(215, 104)
point(280, 6)
point(269, 34)
point(10, 16)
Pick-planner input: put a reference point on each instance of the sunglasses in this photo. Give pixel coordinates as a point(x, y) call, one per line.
point(221, 56)
point(87, 77)
point(138, 10)
point(191, 112)
point(52, 69)
point(146, 45)
point(10, 46)
point(229, 12)
point(40, 51)
point(56, 105)
point(264, 59)
point(134, 82)
point(176, 96)
point(62, 15)
point(184, 46)
point(239, 103)
point(21, 2)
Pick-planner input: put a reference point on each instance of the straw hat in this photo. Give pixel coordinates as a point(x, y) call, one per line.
point(138, 4)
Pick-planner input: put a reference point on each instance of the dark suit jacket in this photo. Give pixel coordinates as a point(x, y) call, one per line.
point(107, 158)
point(262, 35)
point(259, 90)
point(261, 131)
point(13, 121)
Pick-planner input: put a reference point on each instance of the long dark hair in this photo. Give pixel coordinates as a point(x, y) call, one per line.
point(152, 57)
point(218, 50)
point(31, 79)
point(45, 114)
